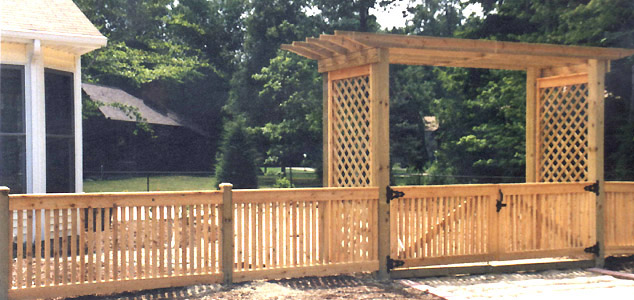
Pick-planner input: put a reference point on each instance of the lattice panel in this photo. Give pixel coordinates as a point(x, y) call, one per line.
point(563, 131)
point(350, 132)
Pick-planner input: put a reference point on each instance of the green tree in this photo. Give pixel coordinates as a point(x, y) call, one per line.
point(268, 24)
point(236, 163)
point(294, 137)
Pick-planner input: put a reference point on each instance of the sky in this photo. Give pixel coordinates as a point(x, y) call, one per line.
point(392, 16)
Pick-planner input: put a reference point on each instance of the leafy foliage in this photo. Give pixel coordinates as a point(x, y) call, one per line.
point(217, 63)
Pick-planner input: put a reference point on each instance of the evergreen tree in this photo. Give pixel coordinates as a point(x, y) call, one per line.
point(236, 163)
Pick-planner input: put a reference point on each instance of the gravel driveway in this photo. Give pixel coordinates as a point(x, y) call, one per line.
point(569, 284)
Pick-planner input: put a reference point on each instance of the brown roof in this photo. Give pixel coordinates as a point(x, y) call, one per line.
point(110, 95)
point(51, 21)
point(356, 48)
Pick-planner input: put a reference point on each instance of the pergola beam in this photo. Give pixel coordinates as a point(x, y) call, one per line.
point(563, 70)
point(484, 46)
point(355, 59)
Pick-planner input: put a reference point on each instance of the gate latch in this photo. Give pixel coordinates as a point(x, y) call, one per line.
point(393, 263)
point(594, 188)
point(499, 204)
point(593, 249)
point(392, 194)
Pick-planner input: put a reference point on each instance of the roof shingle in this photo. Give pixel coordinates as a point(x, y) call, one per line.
point(46, 16)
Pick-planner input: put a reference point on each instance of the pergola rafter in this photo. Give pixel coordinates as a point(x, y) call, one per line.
point(564, 106)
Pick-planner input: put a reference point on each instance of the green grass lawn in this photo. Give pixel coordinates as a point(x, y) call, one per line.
point(301, 178)
point(157, 183)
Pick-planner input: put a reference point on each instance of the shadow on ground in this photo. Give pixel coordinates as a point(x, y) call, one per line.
point(330, 287)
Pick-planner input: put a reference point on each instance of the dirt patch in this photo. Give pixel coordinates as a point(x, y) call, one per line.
point(330, 287)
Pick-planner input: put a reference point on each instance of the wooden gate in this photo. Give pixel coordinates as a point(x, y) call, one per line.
point(441, 225)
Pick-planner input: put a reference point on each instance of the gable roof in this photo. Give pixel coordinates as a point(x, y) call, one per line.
point(111, 95)
point(57, 23)
point(357, 48)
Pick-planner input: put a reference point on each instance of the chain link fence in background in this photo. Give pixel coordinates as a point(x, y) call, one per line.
point(299, 177)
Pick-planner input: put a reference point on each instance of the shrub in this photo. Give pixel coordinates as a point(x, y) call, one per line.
point(236, 162)
point(282, 182)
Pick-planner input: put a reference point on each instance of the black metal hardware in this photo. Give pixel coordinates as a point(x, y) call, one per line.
point(594, 188)
point(392, 194)
point(593, 249)
point(393, 263)
point(499, 204)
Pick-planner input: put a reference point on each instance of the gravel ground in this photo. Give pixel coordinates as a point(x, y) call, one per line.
point(331, 287)
point(569, 284)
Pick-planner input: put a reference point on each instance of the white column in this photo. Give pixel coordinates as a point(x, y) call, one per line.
point(79, 163)
point(35, 120)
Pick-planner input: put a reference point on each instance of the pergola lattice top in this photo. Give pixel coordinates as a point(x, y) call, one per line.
point(349, 49)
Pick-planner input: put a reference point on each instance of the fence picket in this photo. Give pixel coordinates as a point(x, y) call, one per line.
point(38, 247)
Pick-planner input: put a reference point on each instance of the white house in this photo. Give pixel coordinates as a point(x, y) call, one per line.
point(40, 96)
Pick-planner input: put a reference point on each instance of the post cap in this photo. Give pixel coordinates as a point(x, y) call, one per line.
point(225, 184)
point(4, 188)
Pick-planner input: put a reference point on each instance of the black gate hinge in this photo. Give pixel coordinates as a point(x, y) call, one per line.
point(592, 249)
point(393, 263)
point(392, 194)
point(594, 188)
point(499, 204)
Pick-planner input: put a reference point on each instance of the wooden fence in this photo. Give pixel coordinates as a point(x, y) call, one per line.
point(76, 244)
point(619, 218)
point(304, 232)
point(434, 225)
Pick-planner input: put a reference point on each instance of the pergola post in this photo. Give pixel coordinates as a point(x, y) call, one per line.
point(380, 151)
point(325, 125)
point(531, 119)
point(596, 100)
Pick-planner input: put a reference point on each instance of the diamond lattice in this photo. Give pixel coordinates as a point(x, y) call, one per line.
point(563, 119)
point(350, 129)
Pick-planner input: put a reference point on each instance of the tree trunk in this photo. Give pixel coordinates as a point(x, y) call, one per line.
point(363, 18)
point(631, 115)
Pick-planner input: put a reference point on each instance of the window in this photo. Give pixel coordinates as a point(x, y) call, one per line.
point(60, 129)
point(12, 129)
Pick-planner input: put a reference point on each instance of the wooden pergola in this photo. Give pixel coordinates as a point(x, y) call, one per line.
point(564, 105)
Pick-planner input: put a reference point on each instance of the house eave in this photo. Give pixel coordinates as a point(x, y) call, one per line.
point(74, 43)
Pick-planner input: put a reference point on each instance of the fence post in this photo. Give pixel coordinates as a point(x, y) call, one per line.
point(5, 242)
point(227, 232)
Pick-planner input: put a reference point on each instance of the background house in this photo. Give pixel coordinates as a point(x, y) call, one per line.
point(41, 43)
point(116, 140)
